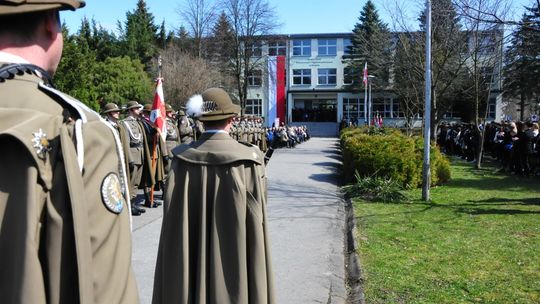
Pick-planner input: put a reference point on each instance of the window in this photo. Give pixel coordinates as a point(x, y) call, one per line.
point(255, 49)
point(347, 46)
point(396, 111)
point(302, 77)
point(487, 73)
point(492, 108)
point(327, 47)
point(277, 48)
point(348, 75)
point(377, 107)
point(255, 78)
point(327, 76)
point(486, 44)
point(353, 108)
point(254, 107)
point(302, 47)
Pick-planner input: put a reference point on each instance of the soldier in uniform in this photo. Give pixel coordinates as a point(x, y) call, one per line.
point(155, 158)
point(185, 128)
point(173, 135)
point(64, 201)
point(111, 111)
point(214, 242)
point(134, 131)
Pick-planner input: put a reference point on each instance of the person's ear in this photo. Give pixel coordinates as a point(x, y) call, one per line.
point(52, 24)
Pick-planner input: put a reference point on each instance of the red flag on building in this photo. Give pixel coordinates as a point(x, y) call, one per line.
point(365, 78)
point(158, 115)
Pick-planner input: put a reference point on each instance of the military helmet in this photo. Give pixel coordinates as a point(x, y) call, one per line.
point(110, 107)
point(168, 108)
point(132, 104)
point(217, 105)
point(181, 112)
point(11, 7)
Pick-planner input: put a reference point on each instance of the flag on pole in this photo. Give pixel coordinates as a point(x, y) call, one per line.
point(158, 115)
point(365, 78)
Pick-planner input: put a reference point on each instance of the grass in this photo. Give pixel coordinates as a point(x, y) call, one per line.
point(477, 241)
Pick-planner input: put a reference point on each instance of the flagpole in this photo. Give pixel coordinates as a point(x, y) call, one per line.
point(155, 142)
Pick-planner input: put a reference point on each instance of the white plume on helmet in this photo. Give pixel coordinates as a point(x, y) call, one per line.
point(194, 106)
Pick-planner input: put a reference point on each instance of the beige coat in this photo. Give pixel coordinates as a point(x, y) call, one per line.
point(214, 240)
point(60, 240)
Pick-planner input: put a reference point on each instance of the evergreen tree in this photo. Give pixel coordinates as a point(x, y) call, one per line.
point(75, 73)
point(162, 36)
point(183, 41)
point(371, 43)
point(140, 35)
point(220, 50)
point(522, 72)
point(105, 43)
point(119, 79)
point(220, 45)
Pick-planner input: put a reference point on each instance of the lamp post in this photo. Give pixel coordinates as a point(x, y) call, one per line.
point(426, 167)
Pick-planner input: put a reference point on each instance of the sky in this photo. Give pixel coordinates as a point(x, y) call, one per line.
point(296, 16)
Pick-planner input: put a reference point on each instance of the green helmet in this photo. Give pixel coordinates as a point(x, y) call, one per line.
point(11, 7)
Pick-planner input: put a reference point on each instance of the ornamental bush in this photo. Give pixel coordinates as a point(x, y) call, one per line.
point(389, 154)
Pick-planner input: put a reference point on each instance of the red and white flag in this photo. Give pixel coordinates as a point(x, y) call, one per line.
point(365, 78)
point(158, 116)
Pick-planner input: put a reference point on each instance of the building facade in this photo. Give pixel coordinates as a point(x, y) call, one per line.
point(310, 86)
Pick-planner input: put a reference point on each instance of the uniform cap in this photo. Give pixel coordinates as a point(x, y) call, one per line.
point(110, 107)
point(217, 105)
point(132, 104)
point(11, 7)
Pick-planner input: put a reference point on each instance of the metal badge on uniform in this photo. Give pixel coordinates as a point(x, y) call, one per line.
point(41, 143)
point(111, 193)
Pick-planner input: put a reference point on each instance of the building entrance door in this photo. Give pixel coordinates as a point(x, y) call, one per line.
point(314, 110)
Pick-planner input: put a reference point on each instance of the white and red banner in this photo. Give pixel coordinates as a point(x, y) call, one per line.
point(276, 89)
point(158, 116)
point(365, 78)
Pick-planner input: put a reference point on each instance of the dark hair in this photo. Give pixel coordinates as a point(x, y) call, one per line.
point(215, 124)
point(23, 26)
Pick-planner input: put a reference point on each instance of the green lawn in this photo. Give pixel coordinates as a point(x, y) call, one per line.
point(478, 241)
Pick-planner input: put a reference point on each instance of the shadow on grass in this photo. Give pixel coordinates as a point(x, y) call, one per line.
point(508, 201)
point(483, 211)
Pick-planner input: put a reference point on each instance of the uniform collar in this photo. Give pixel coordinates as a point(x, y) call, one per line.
point(216, 131)
point(11, 58)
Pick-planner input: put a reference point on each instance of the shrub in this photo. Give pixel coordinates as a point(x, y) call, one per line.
point(389, 154)
point(375, 188)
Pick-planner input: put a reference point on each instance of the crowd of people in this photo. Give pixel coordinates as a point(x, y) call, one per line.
point(70, 179)
point(515, 145)
point(148, 159)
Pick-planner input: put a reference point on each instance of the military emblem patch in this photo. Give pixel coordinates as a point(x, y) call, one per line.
point(209, 106)
point(41, 143)
point(111, 193)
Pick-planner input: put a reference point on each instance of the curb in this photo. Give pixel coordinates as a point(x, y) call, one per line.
point(353, 272)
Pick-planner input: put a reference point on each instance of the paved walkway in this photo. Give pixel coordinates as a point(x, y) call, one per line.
point(306, 223)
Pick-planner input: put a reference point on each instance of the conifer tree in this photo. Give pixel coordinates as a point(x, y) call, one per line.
point(522, 73)
point(140, 35)
point(371, 43)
